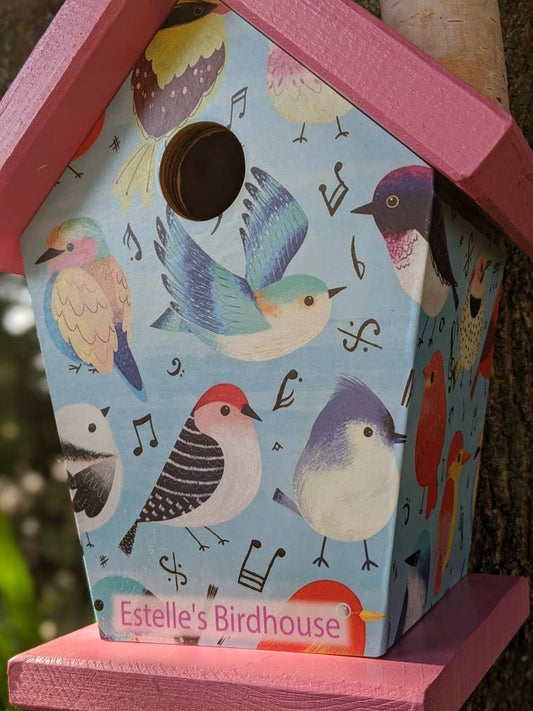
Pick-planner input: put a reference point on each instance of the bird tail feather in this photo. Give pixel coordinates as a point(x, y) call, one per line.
point(126, 364)
point(170, 320)
point(137, 173)
point(127, 543)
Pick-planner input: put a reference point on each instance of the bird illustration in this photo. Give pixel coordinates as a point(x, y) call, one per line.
point(457, 457)
point(431, 431)
point(416, 592)
point(344, 605)
point(213, 471)
point(301, 97)
point(346, 481)
point(93, 465)
point(487, 354)
point(104, 593)
point(410, 219)
point(172, 82)
point(87, 302)
point(472, 320)
point(263, 316)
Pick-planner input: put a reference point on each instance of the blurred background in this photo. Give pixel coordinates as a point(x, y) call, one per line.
point(43, 592)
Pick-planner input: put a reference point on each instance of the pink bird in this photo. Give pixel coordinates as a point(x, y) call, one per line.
point(431, 431)
point(301, 97)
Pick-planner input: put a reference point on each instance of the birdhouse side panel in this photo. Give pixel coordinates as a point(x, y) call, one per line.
point(232, 392)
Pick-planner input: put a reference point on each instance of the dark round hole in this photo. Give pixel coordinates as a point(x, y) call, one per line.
point(98, 605)
point(202, 171)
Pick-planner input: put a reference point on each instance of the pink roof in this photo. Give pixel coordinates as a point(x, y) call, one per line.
point(65, 86)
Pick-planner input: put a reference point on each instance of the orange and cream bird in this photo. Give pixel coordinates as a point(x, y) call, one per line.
point(325, 596)
point(301, 97)
point(172, 82)
point(457, 458)
point(87, 303)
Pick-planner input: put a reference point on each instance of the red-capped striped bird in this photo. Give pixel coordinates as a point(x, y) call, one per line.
point(431, 431)
point(345, 606)
point(457, 458)
point(213, 471)
point(172, 82)
point(487, 354)
point(472, 319)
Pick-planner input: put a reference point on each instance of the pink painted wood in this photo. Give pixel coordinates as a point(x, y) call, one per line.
point(62, 90)
point(66, 84)
point(433, 668)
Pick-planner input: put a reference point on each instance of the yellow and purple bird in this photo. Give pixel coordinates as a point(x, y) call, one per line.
point(301, 97)
point(457, 458)
point(410, 219)
point(262, 316)
point(173, 80)
point(87, 303)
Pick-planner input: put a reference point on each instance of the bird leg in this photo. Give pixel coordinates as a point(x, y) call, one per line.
point(321, 560)
point(301, 138)
point(341, 132)
point(201, 546)
point(76, 174)
point(77, 368)
point(88, 544)
point(368, 563)
point(221, 541)
point(93, 371)
point(421, 337)
point(430, 342)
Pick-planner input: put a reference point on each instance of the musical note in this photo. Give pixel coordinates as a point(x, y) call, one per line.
point(469, 254)
point(450, 415)
point(137, 424)
point(176, 362)
point(358, 265)
point(407, 508)
point(286, 399)
point(128, 238)
point(339, 193)
point(408, 391)
point(238, 98)
point(250, 578)
point(442, 324)
point(358, 337)
point(180, 579)
point(277, 447)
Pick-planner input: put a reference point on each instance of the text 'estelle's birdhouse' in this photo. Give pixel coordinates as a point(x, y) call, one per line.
point(268, 342)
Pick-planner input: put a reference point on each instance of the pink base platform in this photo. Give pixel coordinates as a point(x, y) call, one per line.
point(434, 667)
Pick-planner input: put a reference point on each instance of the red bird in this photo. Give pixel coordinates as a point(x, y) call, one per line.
point(431, 431)
point(347, 605)
point(457, 457)
point(487, 354)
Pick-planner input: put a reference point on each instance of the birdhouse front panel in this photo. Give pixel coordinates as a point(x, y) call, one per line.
point(268, 344)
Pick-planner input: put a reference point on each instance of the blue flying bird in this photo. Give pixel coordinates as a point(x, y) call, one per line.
point(416, 592)
point(262, 316)
point(346, 481)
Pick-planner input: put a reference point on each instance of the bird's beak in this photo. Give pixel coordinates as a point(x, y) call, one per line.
point(49, 254)
point(465, 457)
point(104, 411)
point(334, 292)
point(399, 438)
point(369, 616)
point(413, 559)
point(364, 210)
point(247, 410)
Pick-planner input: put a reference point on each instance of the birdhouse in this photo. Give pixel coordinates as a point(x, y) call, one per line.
point(266, 289)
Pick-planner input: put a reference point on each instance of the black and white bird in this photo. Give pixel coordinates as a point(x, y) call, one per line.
point(213, 471)
point(93, 465)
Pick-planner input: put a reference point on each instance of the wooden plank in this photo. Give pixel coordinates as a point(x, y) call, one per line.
point(433, 668)
point(63, 88)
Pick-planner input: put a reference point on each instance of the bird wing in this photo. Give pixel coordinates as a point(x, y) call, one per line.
point(205, 293)
point(438, 245)
point(275, 228)
point(191, 474)
point(92, 486)
point(84, 315)
point(108, 272)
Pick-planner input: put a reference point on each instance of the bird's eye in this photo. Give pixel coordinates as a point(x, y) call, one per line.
point(309, 301)
point(432, 378)
point(70, 247)
point(392, 201)
point(344, 610)
point(459, 458)
point(92, 427)
point(225, 410)
point(198, 10)
point(368, 432)
point(98, 605)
